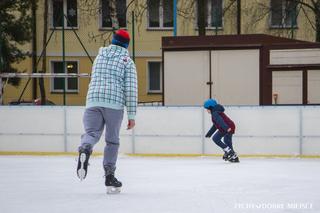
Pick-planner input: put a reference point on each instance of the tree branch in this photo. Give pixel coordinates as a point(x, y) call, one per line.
point(309, 20)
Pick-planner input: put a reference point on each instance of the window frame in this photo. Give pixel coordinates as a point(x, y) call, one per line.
point(209, 27)
point(52, 89)
point(65, 12)
point(149, 91)
point(109, 28)
point(161, 18)
point(209, 17)
point(283, 24)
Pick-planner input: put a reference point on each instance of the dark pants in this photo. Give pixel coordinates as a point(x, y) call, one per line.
point(227, 140)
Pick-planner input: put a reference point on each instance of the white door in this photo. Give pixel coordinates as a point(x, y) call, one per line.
point(235, 76)
point(185, 77)
point(314, 87)
point(287, 87)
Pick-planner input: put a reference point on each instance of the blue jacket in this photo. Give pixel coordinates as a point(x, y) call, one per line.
point(114, 81)
point(220, 121)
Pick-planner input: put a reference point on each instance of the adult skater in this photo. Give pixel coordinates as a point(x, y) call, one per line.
point(113, 85)
point(224, 128)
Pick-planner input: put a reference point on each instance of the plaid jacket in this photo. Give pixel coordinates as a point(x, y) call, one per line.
point(114, 81)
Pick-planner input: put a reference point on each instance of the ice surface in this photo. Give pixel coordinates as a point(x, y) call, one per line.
point(30, 184)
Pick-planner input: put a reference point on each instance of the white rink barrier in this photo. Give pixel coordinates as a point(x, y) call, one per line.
point(260, 130)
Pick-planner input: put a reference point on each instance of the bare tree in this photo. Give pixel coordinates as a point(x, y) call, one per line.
point(93, 8)
point(187, 10)
point(261, 11)
point(314, 6)
point(113, 14)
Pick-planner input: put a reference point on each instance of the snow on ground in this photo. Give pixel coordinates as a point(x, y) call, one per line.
point(30, 184)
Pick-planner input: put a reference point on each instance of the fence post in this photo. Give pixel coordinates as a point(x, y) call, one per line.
point(133, 140)
point(65, 131)
point(203, 131)
point(300, 132)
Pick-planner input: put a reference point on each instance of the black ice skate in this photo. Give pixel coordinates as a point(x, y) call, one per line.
point(112, 184)
point(234, 158)
point(230, 155)
point(225, 155)
point(83, 161)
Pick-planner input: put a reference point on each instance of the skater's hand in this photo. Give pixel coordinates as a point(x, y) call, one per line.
point(131, 124)
point(229, 130)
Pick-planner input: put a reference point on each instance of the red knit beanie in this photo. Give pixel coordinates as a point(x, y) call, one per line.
point(121, 38)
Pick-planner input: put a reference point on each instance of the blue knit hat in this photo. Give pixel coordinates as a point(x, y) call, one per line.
point(210, 103)
point(121, 38)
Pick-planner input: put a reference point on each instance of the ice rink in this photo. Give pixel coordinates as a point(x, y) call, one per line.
point(48, 184)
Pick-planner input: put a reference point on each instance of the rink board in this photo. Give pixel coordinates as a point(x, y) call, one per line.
point(267, 130)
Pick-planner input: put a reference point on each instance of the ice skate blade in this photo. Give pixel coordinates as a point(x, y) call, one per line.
point(235, 160)
point(83, 158)
point(113, 190)
point(81, 172)
point(232, 157)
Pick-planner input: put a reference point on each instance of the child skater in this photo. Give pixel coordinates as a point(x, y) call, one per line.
point(225, 127)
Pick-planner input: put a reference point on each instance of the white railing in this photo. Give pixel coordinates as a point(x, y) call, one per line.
point(44, 75)
point(261, 130)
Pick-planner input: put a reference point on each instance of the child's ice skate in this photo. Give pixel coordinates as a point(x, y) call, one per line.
point(112, 184)
point(234, 158)
point(225, 155)
point(83, 161)
point(230, 154)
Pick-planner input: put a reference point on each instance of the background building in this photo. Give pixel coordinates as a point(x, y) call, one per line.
point(90, 22)
point(254, 69)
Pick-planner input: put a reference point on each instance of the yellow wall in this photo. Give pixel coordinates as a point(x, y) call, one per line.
point(12, 93)
point(141, 64)
point(147, 42)
point(255, 19)
point(84, 66)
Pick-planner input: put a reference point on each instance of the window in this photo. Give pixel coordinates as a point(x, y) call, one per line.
point(160, 13)
point(67, 7)
point(283, 13)
point(154, 77)
point(71, 84)
point(106, 21)
point(214, 14)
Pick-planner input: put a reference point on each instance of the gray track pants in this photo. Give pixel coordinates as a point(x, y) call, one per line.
point(94, 120)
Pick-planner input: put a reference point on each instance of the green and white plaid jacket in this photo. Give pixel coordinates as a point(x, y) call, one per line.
point(113, 81)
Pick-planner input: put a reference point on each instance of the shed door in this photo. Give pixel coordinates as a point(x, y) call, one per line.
point(185, 77)
point(314, 87)
point(235, 76)
point(287, 87)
